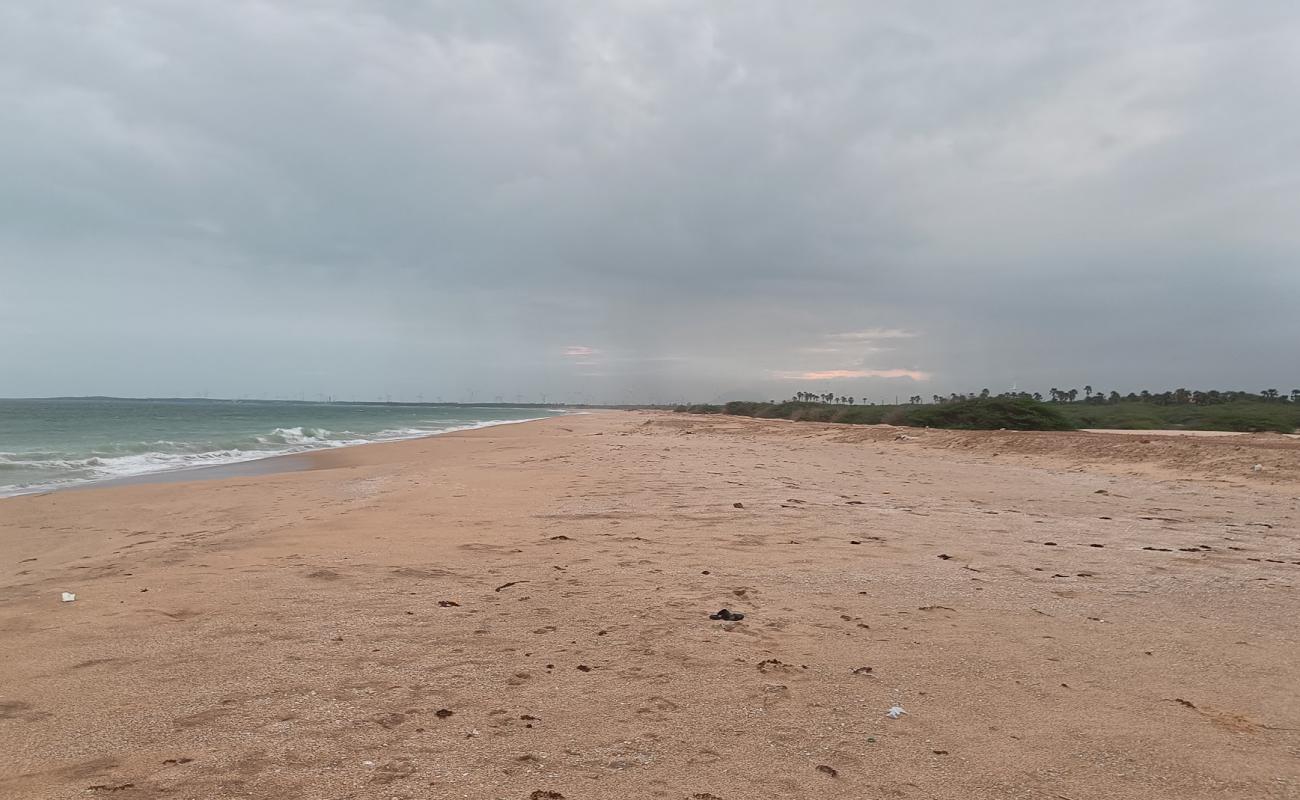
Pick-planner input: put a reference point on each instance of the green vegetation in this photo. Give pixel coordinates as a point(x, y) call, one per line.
point(1182, 409)
point(991, 413)
point(1238, 415)
point(698, 408)
point(811, 412)
point(979, 413)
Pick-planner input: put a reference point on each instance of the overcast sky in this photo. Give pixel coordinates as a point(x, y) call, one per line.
point(647, 200)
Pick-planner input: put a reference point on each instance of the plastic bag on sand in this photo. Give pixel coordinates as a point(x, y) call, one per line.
point(68, 597)
point(895, 712)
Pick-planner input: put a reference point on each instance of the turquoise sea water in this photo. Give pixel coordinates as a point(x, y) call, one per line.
point(58, 442)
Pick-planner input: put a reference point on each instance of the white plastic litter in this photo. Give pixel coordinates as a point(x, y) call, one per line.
point(895, 712)
point(1257, 467)
point(68, 597)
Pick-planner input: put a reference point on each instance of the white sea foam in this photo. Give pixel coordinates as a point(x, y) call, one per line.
point(61, 471)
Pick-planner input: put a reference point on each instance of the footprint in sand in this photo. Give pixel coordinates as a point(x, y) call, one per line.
point(23, 711)
point(391, 771)
point(657, 703)
point(201, 718)
point(388, 721)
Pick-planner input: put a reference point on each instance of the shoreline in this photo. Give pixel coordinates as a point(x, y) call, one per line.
point(269, 464)
point(303, 460)
point(524, 611)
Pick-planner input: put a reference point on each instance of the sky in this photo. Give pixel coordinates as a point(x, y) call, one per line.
point(647, 201)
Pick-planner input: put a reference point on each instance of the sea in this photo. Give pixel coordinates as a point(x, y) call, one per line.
point(54, 443)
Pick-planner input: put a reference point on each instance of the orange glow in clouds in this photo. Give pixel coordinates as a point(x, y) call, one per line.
point(832, 374)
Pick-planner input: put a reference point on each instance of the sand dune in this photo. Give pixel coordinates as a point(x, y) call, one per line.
point(523, 612)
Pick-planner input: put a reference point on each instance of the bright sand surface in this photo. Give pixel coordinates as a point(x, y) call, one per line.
point(522, 612)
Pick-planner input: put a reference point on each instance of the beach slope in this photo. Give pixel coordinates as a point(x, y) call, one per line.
point(523, 612)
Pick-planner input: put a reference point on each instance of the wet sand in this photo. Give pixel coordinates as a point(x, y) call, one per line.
point(291, 462)
point(522, 612)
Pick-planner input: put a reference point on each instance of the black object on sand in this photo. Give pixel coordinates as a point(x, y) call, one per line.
point(729, 616)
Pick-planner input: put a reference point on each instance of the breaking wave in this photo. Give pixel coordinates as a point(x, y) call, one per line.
point(37, 471)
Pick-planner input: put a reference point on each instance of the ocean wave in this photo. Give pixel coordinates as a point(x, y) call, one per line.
point(42, 471)
point(299, 435)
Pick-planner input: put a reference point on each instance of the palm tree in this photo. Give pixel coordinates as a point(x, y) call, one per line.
point(1087, 392)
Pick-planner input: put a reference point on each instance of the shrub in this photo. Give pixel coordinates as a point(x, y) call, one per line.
point(991, 413)
point(699, 408)
point(1238, 415)
point(1244, 421)
point(787, 410)
point(1026, 414)
point(743, 408)
point(860, 415)
point(896, 416)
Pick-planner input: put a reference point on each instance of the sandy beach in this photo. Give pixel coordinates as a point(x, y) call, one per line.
point(523, 612)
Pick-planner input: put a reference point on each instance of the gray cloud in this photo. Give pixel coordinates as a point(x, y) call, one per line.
point(443, 198)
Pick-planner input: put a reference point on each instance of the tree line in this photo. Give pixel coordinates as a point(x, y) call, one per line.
point(829, 397)
point(1090, 396)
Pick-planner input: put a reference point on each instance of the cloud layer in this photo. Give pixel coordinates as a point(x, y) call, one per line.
point(442, 198)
